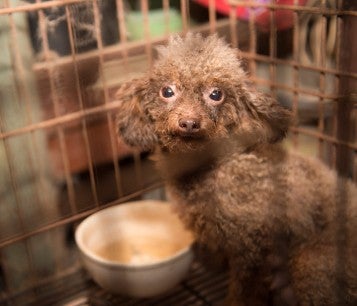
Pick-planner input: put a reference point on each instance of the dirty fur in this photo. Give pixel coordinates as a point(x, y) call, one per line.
point(284, 223)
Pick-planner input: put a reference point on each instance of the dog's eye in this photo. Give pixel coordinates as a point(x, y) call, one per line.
point(167, 92)
point(216, 95)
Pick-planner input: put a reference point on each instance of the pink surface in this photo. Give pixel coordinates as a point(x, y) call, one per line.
point(283, 18)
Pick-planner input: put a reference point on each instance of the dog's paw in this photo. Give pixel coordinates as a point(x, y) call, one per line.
point(281, 289)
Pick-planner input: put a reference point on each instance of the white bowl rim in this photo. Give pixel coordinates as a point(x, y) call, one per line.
point(116, 264)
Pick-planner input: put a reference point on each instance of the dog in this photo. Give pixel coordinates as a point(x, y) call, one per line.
point(284, 222)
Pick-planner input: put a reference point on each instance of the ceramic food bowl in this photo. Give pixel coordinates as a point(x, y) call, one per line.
point(140, 249)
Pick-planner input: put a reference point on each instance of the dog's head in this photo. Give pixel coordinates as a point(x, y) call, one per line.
point(196, 93)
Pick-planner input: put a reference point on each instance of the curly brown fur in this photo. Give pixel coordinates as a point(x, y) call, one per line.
point(283, 221)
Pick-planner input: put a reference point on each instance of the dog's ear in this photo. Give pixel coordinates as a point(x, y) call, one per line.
point(268, 120)
point(133, 125)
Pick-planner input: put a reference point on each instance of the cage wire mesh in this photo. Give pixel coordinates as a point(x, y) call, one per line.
point(61, 161)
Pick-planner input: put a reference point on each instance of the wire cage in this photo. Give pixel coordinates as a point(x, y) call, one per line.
point(61, 63)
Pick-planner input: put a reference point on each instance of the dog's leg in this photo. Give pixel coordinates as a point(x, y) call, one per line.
point(234, 291)
point(282, 293)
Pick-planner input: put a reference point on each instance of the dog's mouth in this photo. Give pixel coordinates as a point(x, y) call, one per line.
point(183, 142)
point(190, 137)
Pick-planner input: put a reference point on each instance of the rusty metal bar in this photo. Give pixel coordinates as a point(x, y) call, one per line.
point(144, 6)
point(123, 41)
point(347, 61)
point(184, 15)
point(166, 10)
point(295, 55)
point(112, 133)
point(62, 120)
point(37, 6)
point(272, 49)
point(78, 216)
point(233, 27)
point(212, 15)
point(322, 78)
point(252, 41)
point(54, 77)
point(347, 48)
point(84, 125)
point(122, 26)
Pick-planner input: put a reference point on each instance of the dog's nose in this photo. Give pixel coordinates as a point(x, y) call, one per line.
point(189, 125)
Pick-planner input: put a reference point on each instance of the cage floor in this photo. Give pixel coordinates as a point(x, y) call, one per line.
point(201, 287)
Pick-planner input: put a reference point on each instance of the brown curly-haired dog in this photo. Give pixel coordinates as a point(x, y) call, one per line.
point(284, 222)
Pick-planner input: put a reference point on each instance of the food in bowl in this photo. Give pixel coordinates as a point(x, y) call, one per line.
point(139, 248)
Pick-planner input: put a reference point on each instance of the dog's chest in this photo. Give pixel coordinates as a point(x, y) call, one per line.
point(226, 203)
